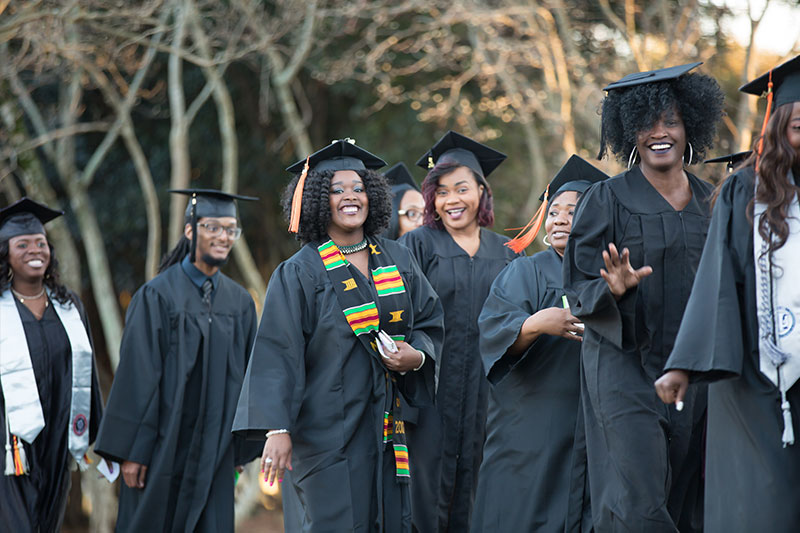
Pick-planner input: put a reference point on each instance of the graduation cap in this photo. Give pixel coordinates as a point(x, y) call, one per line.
point(577, 175)
point(208, 203)
point(781, 85)
point(731, 159)
point(652, 76)
point(459, 149)
point(341, 154)
point(25, 217)
point(784, 80)
point(399, 175)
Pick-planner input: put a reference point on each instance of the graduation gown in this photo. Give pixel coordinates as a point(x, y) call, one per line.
point(452, 434)
point(751, 480)
point(172, 403)
point(533, 465)
point(310, 374)
point(644, 458)
point(37, 501)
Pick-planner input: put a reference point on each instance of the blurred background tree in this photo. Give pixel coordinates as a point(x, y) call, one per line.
point(104, 105)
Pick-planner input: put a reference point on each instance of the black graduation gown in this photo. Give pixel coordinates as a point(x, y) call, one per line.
point(751, 480)
point(311, 375)
point(453, 433)
point(37, 502)
point(533, 465)
point(644, 458)
point(172, 403)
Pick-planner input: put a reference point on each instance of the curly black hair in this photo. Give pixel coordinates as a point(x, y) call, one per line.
point(626, 112)
point(315, 216)
point(52, 279)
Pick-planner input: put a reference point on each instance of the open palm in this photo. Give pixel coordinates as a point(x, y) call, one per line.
point(619, 274)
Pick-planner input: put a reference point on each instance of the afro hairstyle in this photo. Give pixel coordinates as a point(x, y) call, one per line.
point(626, 112)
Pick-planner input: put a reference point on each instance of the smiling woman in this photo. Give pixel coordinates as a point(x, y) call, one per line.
point(461, 258)
point(50, 405)
point(644, 460)
point(347, 349)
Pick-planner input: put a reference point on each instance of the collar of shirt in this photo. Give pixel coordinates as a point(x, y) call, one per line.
point(196, 276)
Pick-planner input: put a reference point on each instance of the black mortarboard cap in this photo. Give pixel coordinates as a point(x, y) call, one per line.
point(785, 83)
point(208, 203)
point(211, 202)
point(576, 174)
point(25, 217)
point(652, 76)
point(342, 154)
point(731, 159)
point(400, 175)
point(456, 148)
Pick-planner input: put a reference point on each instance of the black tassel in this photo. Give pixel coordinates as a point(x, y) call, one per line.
point(193, 247)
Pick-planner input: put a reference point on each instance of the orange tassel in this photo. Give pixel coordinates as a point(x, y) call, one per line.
point(297, 200)
point(766, 119)
point(20, 461)
point(524, 238)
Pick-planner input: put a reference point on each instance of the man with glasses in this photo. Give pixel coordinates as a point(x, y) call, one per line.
point(187, 340)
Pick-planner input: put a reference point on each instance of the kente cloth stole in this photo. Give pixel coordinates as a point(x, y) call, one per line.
point(24, 417)
point(366, 318)
point(778, 308)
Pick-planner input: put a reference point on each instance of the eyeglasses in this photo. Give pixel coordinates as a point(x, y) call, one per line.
point(412, 214)
point(215, 230)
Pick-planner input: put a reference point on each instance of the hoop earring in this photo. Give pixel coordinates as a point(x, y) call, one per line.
point(544, 240)
point(691, 155)
point(632, 158)
point(436, 216)
point(10, 275)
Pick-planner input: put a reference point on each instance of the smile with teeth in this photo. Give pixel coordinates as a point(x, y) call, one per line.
point(350, 209)
point(660, 147)
point(455, 212)
point(560, 234)
point(36, 263)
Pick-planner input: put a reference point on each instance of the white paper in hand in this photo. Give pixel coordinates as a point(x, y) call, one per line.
point(109, 469)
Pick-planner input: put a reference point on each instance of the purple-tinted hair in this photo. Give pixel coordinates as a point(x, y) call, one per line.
point(431, 181)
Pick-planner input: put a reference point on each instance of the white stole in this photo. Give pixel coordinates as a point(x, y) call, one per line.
point(24, 415)
point(778, 308)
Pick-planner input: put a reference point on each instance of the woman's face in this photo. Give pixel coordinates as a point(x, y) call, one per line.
point(348, 202)
point(458, 198)
point(29, 256)
point(793, 130)
point(558, 223)
point(661, 146)
point(411, 206)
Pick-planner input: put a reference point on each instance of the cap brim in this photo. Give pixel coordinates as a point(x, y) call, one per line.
point(575, 169)
point(483, 159)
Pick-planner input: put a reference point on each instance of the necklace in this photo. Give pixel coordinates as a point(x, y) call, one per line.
point(353, 248)
point(23, 297)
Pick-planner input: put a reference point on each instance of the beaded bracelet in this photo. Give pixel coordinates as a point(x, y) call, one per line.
point(276, 432)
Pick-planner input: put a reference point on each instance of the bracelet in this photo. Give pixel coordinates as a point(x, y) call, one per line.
point(276, 432)
point(423, 360)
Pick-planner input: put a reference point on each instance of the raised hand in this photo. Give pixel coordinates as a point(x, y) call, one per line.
point(619, 274)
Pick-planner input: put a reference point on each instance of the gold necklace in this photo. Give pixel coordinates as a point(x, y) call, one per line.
point(23, 297)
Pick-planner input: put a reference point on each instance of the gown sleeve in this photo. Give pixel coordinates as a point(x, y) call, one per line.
point(129, 428)
point(710, 340)
point(246, 450)
point(514, 296)
point(594, 226)
point(273, 386)
point(427, 334)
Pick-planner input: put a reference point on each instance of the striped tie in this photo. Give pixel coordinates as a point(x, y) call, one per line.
point(207, 288)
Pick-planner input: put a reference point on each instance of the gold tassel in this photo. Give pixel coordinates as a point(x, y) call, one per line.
point(297, 200)
point(766, 119)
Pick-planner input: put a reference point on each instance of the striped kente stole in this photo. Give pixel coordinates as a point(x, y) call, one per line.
point(366, 315)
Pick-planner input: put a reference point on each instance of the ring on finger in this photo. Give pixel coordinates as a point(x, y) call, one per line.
point(268, 460)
